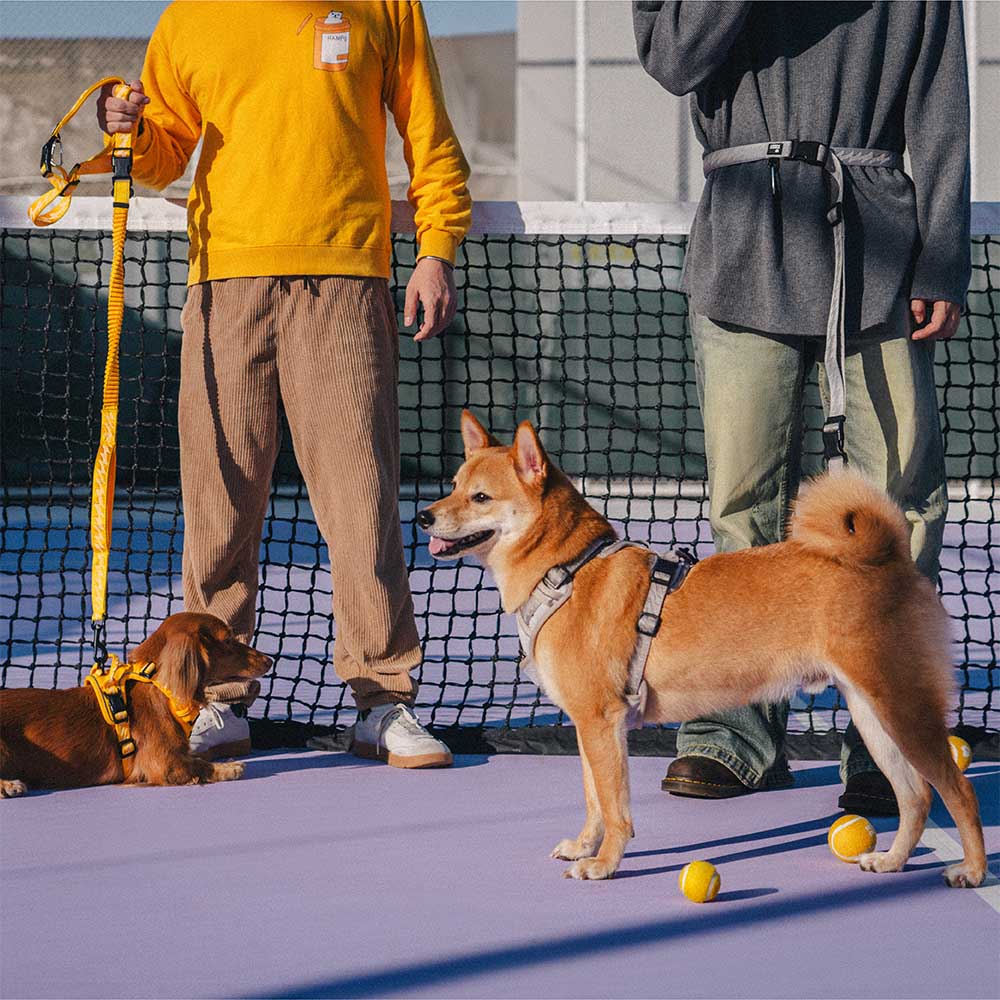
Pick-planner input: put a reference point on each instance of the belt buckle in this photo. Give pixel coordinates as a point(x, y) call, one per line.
point(806, 151)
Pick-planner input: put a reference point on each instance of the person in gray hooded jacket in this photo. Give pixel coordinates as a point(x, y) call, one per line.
point(811, 241)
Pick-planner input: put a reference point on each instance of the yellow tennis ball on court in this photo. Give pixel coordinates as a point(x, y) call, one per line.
point(850, 837)
point(961, 752)
point(700, 881)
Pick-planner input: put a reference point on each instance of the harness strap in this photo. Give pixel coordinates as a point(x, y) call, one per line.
point(552, 592)
point(666, 574)
point(111, 689)
point(832, 159)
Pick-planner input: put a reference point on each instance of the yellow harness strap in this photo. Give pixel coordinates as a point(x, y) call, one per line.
point(111, 689)
point(115, 158)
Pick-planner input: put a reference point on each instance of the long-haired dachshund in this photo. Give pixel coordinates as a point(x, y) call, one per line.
point(60, 739)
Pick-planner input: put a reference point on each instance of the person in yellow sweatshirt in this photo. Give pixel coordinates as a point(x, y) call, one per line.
point(289, 225)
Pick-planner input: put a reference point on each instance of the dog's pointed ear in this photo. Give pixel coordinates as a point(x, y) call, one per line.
point(530, 460)
point(474, 435)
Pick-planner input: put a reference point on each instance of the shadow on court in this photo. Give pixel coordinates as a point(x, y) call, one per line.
point(424, 975)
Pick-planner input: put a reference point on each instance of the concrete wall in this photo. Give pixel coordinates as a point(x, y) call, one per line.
point(641, 144)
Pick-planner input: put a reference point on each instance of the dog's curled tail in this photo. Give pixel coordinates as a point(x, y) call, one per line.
point(845, 517)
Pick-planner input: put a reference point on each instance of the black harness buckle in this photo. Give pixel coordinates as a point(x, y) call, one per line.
point(127, 748)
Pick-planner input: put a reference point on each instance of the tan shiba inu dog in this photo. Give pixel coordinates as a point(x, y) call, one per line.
point(840, 601)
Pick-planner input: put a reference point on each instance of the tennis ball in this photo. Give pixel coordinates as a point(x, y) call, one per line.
point(850, 837)
point(700, 881)
point(961, 752)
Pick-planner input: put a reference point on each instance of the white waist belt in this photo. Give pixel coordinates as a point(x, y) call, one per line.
point(832, 160)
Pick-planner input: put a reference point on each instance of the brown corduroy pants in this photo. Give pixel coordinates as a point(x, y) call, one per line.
point(329, 346)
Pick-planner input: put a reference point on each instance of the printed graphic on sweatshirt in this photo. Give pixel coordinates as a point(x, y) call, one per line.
point(332, 42)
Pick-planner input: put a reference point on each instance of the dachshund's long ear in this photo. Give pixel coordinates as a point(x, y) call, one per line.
point(180, 662)
point(474, 435)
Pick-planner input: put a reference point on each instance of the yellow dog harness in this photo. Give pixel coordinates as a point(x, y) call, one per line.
point(111, 689)
point(116, 159)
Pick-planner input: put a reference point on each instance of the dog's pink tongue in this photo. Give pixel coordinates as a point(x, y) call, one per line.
point(438, 545)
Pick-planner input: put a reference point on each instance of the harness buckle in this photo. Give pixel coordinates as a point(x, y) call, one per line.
point(127, 748)
point(663, 571)
point(116, 702)
point(833, 438)
point(807, 151)
point(648, 624)
point(558, 577)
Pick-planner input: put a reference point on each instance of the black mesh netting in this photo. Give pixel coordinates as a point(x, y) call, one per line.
point(585, 336)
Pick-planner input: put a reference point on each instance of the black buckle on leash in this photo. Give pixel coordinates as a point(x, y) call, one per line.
point(833, 439)
point(127, 748)
point(121, 164)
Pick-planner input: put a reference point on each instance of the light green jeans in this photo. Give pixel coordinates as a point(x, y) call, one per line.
point(751, 386)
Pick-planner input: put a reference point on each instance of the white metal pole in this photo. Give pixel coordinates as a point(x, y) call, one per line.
point(581, 100)
point(972, 61)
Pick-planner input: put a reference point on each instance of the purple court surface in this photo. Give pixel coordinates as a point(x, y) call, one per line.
point(322, 875)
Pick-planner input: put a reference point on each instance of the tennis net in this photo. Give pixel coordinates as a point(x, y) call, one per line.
point(583, 334)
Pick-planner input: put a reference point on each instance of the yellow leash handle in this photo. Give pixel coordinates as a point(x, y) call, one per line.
point(54, 204)
point(115, 158)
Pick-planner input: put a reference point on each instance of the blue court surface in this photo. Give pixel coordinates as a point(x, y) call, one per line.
point(322, 875)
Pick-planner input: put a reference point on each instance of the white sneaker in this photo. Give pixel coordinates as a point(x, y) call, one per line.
point(219, 732)
point(394, 734)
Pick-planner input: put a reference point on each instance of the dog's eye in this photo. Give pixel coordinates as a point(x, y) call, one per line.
point(481, 498)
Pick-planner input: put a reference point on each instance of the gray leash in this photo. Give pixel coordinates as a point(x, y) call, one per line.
point(832, 159)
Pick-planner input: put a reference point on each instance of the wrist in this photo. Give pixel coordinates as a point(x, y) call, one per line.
point(430, 256)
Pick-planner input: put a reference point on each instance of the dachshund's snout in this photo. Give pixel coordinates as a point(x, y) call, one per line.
point(425, 518)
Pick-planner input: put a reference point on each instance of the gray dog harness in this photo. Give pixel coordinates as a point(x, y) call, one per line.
point(832, 160)
point(666, 574)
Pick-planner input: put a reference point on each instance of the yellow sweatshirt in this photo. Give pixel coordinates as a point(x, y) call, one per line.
point(289, 99)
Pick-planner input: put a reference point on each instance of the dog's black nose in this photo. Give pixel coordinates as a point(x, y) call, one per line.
point(425, 518)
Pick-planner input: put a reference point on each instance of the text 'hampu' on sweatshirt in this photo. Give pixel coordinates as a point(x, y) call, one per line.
point(289, 101)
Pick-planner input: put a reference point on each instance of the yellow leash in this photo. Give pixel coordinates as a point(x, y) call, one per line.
point(116, 159)
point(109, 682)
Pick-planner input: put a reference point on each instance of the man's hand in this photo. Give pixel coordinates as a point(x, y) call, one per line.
point(935, 320)
point(432, 286)
point(116, 115)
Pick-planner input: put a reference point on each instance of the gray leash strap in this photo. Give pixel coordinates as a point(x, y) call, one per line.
point(832, 159)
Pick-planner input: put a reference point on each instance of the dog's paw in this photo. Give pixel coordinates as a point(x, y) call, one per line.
point(964, 876)
point(573, 850)
point(590, 868)
point(880, 861)
point(227, 772)
point(11, 789)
